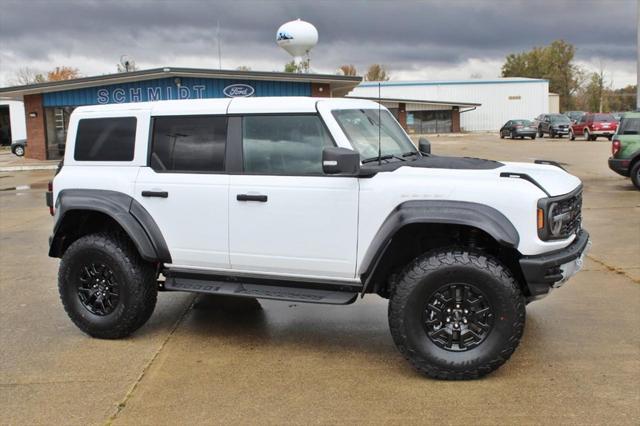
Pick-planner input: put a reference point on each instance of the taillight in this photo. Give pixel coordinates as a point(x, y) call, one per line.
point(615, 147)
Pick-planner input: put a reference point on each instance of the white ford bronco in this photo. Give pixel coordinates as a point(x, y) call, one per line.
point(308, 200)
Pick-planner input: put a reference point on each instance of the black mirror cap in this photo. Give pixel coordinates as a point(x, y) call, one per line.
point(424, 146)
point(340, 161)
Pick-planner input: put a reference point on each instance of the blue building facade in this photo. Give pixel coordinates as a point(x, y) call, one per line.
point(173, 88)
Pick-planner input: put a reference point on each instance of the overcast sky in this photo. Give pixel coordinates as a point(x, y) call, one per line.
point(413, 40)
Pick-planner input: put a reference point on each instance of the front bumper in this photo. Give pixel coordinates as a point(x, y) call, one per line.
point(551, 270)
point(619, 166)
point(558, 131)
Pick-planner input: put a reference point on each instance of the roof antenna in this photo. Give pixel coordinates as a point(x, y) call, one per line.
point(379, 125)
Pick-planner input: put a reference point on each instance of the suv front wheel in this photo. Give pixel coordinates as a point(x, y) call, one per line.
point(456, 314)
point(107, 290)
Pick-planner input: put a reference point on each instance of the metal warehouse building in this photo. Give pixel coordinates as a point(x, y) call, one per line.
point(48, 105)
point(477, 105)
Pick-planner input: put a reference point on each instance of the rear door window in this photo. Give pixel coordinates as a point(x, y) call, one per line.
point(189, 144)
point(630, 126)
point(105, 139)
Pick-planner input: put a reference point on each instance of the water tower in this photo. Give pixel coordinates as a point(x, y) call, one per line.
point(297, 38)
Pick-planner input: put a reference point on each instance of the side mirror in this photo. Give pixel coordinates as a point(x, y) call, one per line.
point(340, 161)
point(424, 146)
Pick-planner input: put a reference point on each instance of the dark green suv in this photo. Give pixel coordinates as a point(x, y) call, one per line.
point(625, 148)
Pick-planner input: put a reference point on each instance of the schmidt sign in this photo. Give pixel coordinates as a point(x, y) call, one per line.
point(159, 92)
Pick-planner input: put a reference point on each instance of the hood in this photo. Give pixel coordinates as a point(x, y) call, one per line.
point(553, 179)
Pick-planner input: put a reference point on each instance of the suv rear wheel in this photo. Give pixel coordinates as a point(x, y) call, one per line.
point(635, 174)
point(107, 290)
point(456, 314)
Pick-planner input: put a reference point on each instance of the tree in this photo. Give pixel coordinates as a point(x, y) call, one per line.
point(297, 68)
point(376, 72)
point(63, 73)
point(348, 69)
point(25, 76)
point(554, 63)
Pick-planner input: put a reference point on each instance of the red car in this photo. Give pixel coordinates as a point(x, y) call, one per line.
point(592, 125)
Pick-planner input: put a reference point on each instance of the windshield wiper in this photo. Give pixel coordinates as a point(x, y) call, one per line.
point(410, 153)
point(381, 158)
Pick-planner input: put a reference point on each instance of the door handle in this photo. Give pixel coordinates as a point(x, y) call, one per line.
point(249, 197)
point(159, 194)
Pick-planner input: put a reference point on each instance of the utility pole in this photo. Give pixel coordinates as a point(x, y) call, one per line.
point(638, 56)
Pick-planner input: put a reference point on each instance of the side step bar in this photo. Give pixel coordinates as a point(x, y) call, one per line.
point(261, 291)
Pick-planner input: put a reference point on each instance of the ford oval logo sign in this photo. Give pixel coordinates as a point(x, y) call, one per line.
point(238, 90)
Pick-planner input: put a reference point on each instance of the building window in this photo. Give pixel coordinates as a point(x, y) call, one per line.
point(189, 144)
point(57, 122)
point(429, 121)
point(105, 139)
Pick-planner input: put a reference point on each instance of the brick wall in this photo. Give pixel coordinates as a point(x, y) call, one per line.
point(402, 115)
point(320, 90)
point(455, 120)
point(36, 137)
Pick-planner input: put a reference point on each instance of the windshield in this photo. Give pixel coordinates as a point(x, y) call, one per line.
point(603, 117)
point(361, 127)
point(559, 119)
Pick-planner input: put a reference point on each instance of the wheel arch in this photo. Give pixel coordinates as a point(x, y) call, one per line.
point(439, 223)
point(83, 211)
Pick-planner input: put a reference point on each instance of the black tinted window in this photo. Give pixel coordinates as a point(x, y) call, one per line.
point(105, 139)
point(629, 126)
point(189, 143)
point(288, 145)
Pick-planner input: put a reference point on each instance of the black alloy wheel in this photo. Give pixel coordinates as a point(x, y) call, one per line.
point(98, 290)
point(458, 317)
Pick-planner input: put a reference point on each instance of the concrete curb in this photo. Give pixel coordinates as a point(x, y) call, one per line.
point(27, 168)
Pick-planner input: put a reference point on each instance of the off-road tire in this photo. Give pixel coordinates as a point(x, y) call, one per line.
point(635, 174)
point(136, 285)
point(422, 279)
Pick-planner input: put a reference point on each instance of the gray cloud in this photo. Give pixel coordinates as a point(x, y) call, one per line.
point(403, 35)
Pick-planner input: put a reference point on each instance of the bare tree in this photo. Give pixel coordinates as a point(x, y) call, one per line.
point(348, 69)
point(127, 65)
point(25, 76)
point(376, 72)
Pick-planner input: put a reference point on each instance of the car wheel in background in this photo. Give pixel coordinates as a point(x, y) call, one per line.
point(587, 136)
point(610, 137)
point(533, 137)
point(513, 135)
point(540, 134)
point(635, 174)
point(572, 135)
point(501, 135)
point(551, 134)
point(19, 150)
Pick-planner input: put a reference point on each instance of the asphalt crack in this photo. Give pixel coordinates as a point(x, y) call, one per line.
point(613, 269)
point(122, 404)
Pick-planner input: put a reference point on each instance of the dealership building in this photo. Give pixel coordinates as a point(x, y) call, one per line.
point(421, 107)
point(48, 105)
point(459, 105)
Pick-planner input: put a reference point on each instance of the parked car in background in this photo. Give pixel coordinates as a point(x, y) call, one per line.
point(625, 148)
point(574, 116)
point(553, 125)
point(518, 129)
point(18, 147)
point(593, 125)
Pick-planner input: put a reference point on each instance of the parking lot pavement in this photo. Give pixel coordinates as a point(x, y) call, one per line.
point(211, 360)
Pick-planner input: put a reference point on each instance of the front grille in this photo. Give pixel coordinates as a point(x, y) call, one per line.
point(572, 206)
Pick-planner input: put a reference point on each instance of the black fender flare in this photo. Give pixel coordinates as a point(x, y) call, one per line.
point(127, 212)
point(476, 215)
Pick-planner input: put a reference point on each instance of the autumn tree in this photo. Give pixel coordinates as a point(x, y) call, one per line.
point(63, 73)
point(376, 72)
point(348, 69)
point(302, 67)
point(554, 63)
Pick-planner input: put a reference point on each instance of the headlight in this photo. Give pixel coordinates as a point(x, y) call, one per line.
point(559, 217)
point(556, 219)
